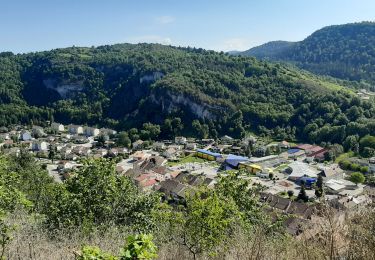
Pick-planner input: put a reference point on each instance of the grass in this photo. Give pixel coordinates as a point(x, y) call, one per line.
point(281, 167)
point(187, 159)
point(344, 156)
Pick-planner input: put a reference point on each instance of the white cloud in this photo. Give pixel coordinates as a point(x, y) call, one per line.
point(151, 39)
point(165, 19)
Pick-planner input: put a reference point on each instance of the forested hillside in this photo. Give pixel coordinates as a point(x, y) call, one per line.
point(205, 92)
point(269, 50)
point(343, 51)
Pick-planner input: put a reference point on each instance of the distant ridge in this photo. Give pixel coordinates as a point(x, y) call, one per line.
point(342, 51)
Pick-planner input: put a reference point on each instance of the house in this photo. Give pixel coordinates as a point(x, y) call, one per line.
point(232, 161)
point(180, 140)
point(265, 173)
point(4, 136)
point(25, 135)
point(250, 167)
point(38, 131)
point(139, 155)
point(91, 131)
point(159, 146)
point(226, 139)
point(295, 152)
point(299, 169)
point(319, 155)
point(332, 171)
point(170, 152)
point(284, 145)
point(39, 146)
point(122, 150)
point(65, 165)
point(205, 154)
point(75, 129)
point(79, 139)
point(57, 127)
point(107, 131)
point(137, 144)
point(337, 186)
point(191, 146)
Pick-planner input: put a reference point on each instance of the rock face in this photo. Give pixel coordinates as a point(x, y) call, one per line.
point(149, 78)
point(65, 89)
point(171, 102)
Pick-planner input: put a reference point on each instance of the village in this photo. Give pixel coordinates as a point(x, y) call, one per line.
point(178, 167)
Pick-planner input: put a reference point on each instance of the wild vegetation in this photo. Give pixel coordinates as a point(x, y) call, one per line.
point(89, 217)
point(342, 51)
point(166, 91)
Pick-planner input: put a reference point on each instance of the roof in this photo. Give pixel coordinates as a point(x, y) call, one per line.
point(300, 169)
point(316, 149)
point(304, 146)
point(262, 159)
point(234, 160)
point(209, 153)
point(292, 151)
point(335, 184)
point(256, 166)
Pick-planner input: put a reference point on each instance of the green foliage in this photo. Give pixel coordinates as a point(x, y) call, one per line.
point(357, 177)
point(5, 236)
point(11, 196)
point(166, 91)
point(302, 196)
point(319, 187)
point(236, 188)
point(94, 253)
point(367, 146)
point(208, 222)
point(123, 139)
point(342, 51)
point(139, 247)
point(97, 195)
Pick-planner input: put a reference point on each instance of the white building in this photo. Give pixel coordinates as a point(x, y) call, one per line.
point(75, 129)
point(25, 135)
point(107, 131)
point(180, 140)
point(91, 131)
point(57, 127)
point(39, 146)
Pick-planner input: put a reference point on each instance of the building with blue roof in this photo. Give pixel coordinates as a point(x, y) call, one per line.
point(208, 155)
point(233, 160)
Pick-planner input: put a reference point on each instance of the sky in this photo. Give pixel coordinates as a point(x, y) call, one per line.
point(221, 25)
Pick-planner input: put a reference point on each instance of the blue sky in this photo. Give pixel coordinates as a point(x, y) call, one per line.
point(34, 25)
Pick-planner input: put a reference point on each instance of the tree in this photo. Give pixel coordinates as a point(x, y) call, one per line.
point(357, 177)
point(150, 131)
point(139, 247)
point(123, 140)
point(351, 143)
point(208, 222)
point(97, 195)
point(319, 186)
point(302, 196)
point(364, 169)
point(290, 193)
point(93, 252)
point(201, 130)
point(367, 146)
point(52, 152)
